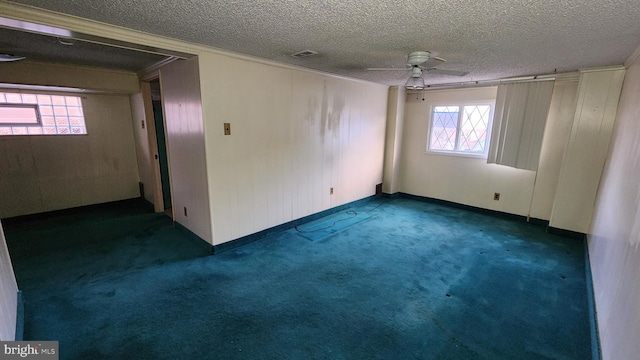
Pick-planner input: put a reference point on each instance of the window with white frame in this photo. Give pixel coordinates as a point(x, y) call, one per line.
point(462, 129)
point(41, 114)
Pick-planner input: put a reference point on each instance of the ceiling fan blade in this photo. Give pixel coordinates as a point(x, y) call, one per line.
point(389, 69)
point(438, 58)
point(447, 72)
point(9, 57)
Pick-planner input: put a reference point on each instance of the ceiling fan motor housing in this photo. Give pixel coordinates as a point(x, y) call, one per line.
point(418, 57)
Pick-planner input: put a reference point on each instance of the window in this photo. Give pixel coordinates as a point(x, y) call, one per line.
point(460, 129)
point(19, 114)
point(41, 114)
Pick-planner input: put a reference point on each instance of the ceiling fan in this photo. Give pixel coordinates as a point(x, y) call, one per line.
point(419, 61)
point(10, 57)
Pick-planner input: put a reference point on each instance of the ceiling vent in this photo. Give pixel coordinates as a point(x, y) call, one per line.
point(304, 53)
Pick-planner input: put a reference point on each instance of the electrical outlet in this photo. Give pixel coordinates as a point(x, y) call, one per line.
point(185, 211)
point(330, 191)
point(496, 196)
point(227, 128)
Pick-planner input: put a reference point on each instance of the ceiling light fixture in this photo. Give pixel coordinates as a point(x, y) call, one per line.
point(9, 57)
point(415, 82)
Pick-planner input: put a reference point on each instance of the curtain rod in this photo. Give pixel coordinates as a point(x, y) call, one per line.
point(467, 84)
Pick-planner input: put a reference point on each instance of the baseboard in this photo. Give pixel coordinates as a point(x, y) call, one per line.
point(566, 233)
point(501, 214)
point(190, 235)
point(391, 196)
point(70, 211)
point(596, 351)
point(286, 226)
point(148, 204)
point(20, 317)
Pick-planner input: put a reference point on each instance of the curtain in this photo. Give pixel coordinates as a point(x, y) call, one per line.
point(518, 124)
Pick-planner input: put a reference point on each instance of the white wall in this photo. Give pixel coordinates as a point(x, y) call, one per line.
point(614, 240)
point(39, 73)
point(44, 173)
point(294, 135)
point(8, 293)
point(464, 180)
point(180, 81)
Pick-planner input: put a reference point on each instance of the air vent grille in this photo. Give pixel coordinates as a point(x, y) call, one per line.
point(304, 53)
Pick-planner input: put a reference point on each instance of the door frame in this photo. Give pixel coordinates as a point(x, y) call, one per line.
point(145, 88)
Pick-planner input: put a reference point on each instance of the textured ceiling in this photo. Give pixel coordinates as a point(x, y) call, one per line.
point(50, 49)
point(489, 39)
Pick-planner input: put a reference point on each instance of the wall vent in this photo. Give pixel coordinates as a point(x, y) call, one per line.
point(304, 53)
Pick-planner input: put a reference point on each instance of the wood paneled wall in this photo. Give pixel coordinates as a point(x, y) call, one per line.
point(294, 135)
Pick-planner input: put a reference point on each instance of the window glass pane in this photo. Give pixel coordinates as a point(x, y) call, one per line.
point(74, 111)
point(29, 99)
point(444, 128)
point(57, 100)
point(473, 129)
point(73, 101)
point(19, 130)
point(76, 121)
point(46, 110)
point(60, 110)
point(10, 115)
point(13, 98)
point(42, 114)
point(44, 99)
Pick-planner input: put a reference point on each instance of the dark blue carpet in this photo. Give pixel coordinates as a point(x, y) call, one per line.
point(406, 280)
point(329, 225)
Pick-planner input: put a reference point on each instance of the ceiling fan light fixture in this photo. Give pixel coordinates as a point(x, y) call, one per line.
point(415, 83)
point(9, 57)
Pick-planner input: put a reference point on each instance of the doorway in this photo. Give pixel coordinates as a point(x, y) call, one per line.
point(163, 162)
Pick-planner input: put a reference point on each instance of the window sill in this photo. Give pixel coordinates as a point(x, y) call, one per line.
point(457, 154)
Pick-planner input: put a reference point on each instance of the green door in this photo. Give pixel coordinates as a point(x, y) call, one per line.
point(162, 153)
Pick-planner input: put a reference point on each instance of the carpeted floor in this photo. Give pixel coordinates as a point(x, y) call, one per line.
point(396, 279)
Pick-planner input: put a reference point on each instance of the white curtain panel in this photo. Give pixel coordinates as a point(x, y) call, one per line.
point(518, 124)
